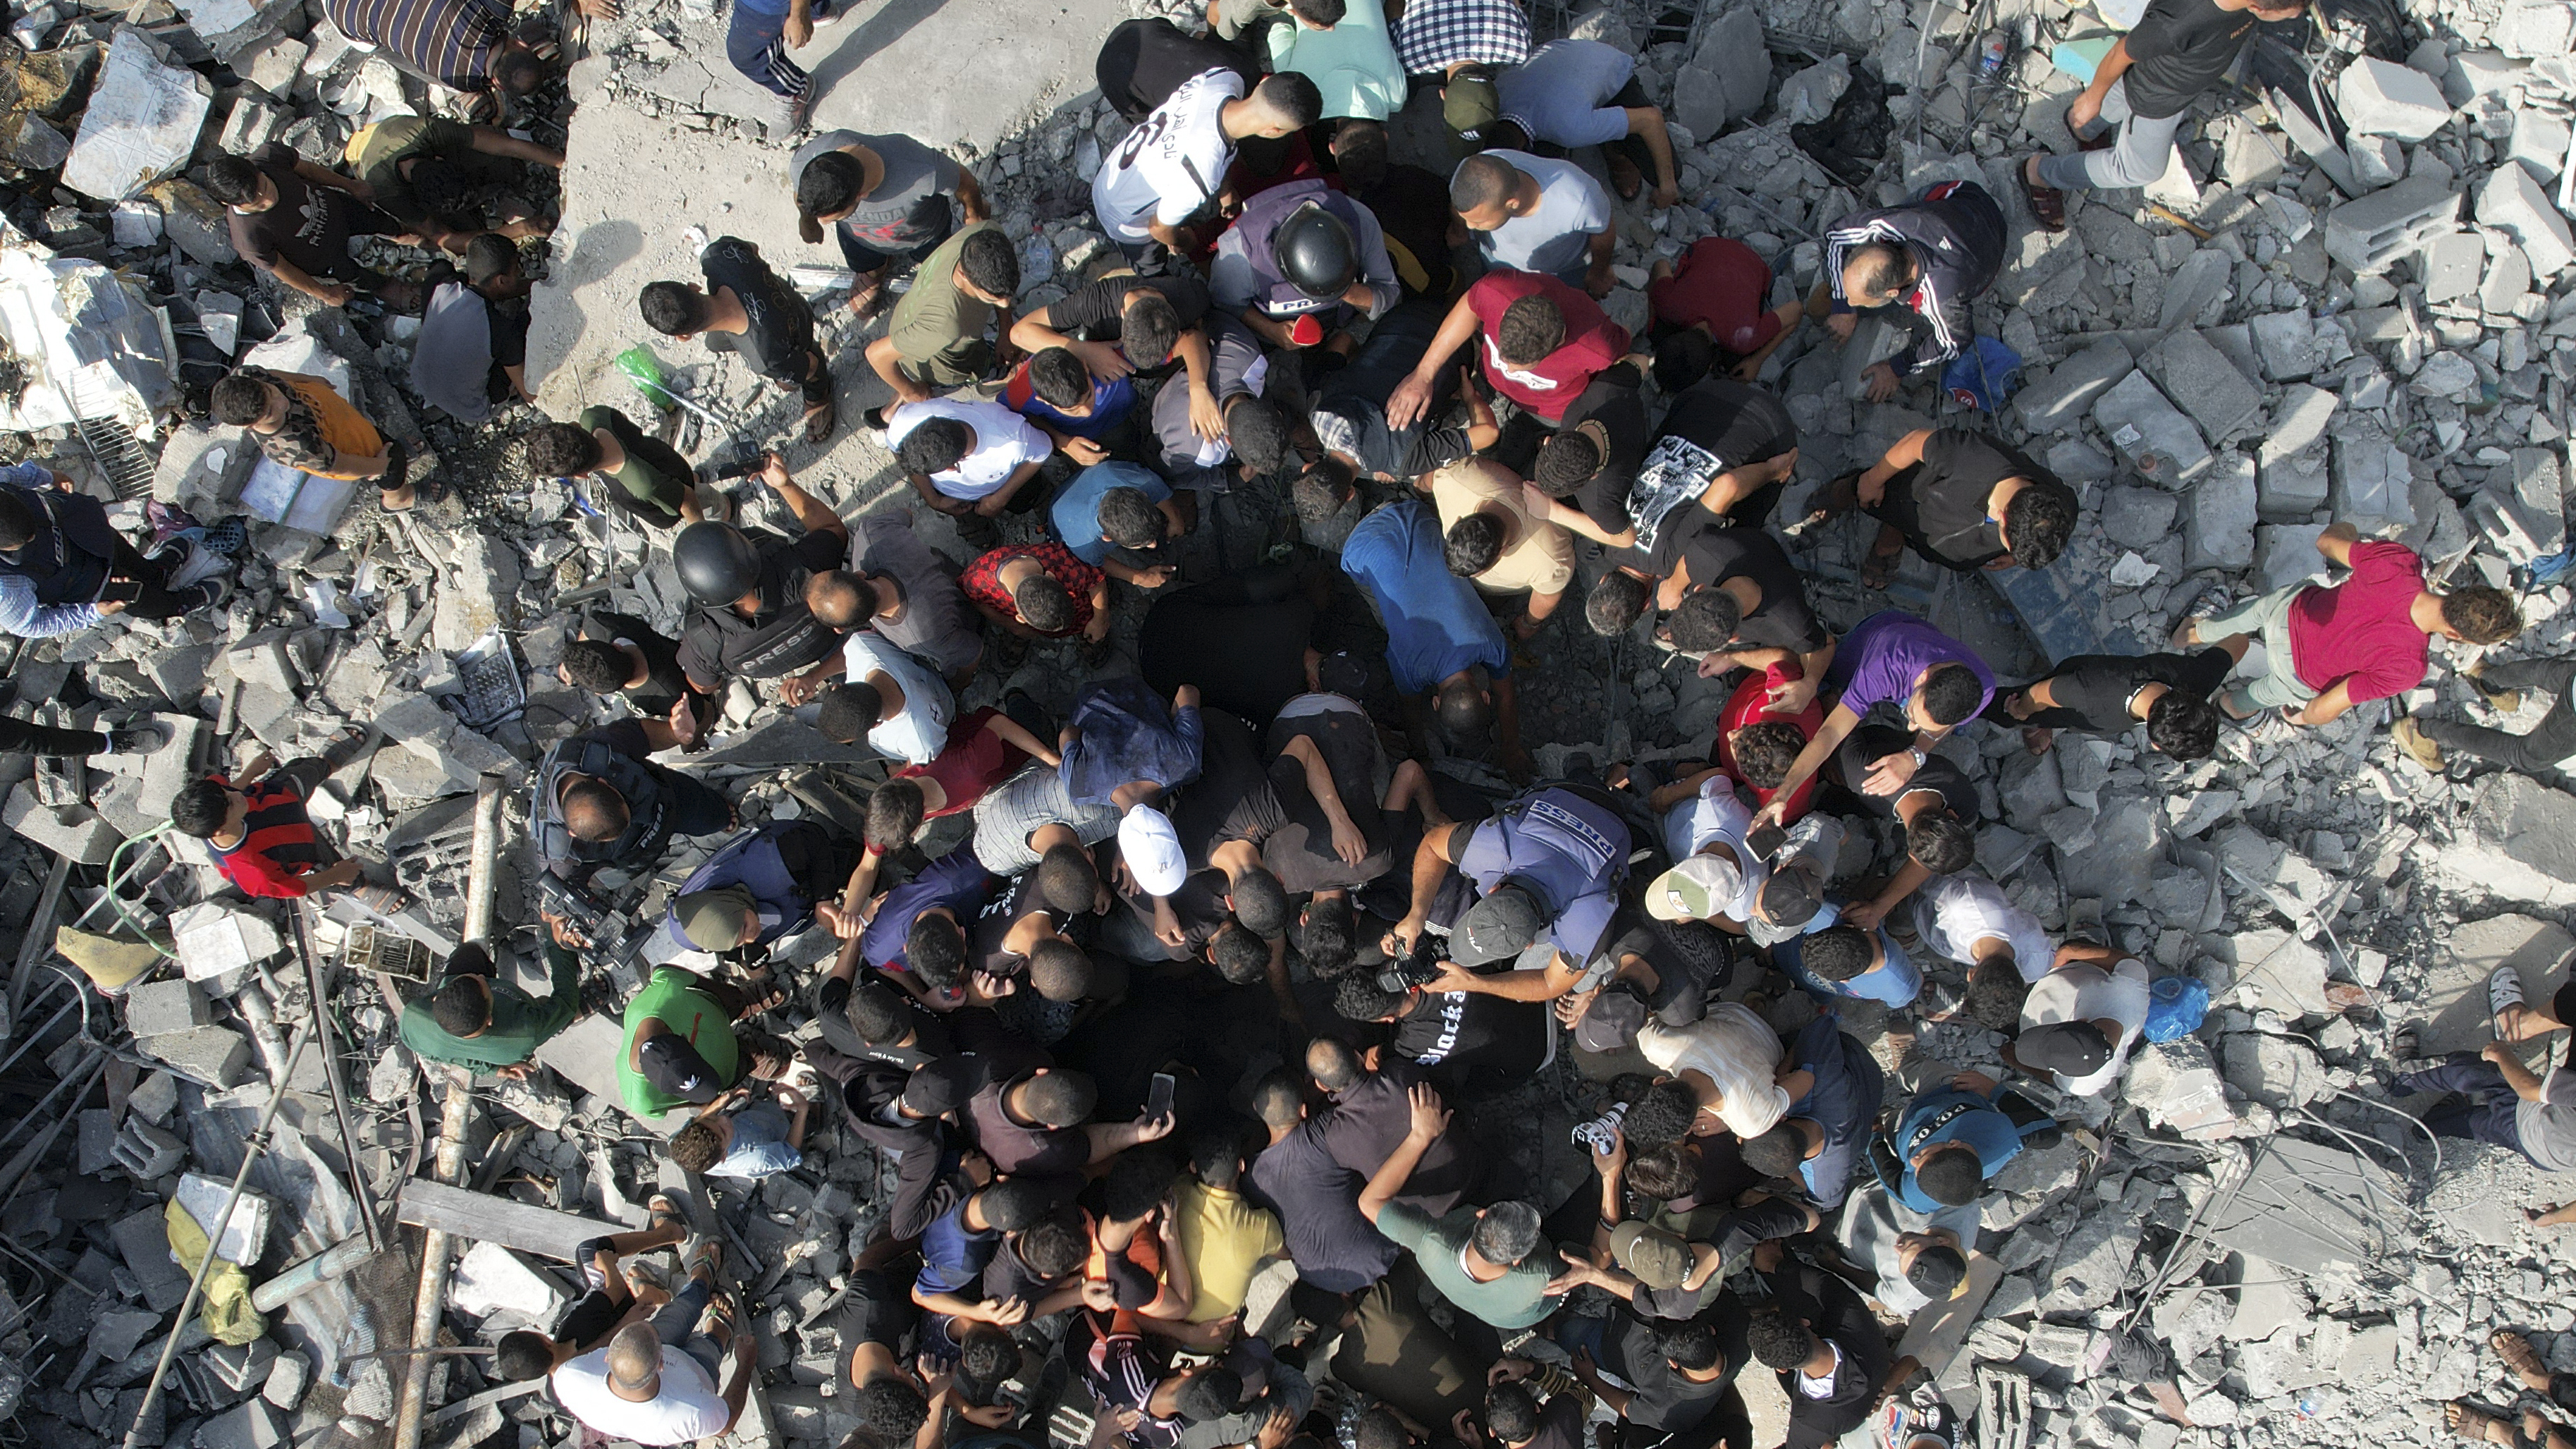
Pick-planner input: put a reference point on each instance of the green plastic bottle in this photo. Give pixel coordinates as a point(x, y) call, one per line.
point(644, 370)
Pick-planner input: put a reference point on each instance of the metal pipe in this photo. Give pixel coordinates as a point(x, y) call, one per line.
point(431, 1296)
point(370, 1218)
point(252, 1147)
point(312, 1273)
point(482, 866)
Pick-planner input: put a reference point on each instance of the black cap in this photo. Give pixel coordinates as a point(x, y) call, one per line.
point(1498, 927)
point(1614, 1018)
point(673, 1066)
point(2069, 1048)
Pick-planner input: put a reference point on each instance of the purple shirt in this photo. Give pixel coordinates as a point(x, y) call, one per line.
point(1884, 654)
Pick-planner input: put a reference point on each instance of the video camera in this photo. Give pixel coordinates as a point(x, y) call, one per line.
point(1418, 967)
point(608, 937)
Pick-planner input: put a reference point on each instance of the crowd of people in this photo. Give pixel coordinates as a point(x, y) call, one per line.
point(1225, 945)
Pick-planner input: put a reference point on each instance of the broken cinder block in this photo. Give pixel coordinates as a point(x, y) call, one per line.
point(2377, 231)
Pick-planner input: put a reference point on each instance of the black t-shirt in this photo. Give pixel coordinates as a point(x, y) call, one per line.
point(1616, 400)
point(1715, 426)
point(507, 320)
point(1560, 1424)
point(1367, 1122)
point(875, 1312)
point(2098, 686)
point(1246, 659)
point(985, 934)
point(1942, 509)
point(1143, 61)
point(778, 340)
point(1231, 799)
point(1875, 742)
point(2178, 49)
point(1783, 620)
point(309, 226)
point(930, 1041)
point(1300, 852)
point(1453, 1033)
point(1663, 1398)
point(665, 684)
point(784, 638)
point(1097, 312)
point(1412, 208)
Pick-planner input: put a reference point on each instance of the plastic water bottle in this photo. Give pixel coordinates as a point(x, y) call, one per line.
point(1990, 59)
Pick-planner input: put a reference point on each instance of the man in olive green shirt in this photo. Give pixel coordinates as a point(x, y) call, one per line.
point(1485, 1261)
point(473, 1018)
point(935, 339)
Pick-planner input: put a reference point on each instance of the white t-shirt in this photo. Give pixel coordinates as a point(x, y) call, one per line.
point(1170, 165)
point(1557, 237)
point(1734, 1049)
point(1955, 912)
point(686, 1409)
point(1004, 441)
point(916, 733)
point(2082, 991)
point(1714, 814)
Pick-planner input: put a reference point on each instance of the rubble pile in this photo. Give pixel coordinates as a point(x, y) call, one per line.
point(2287, 329)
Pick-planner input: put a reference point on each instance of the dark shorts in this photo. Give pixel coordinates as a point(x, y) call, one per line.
point(589, 1319)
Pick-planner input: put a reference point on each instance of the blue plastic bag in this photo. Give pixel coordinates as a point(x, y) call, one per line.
point(1983, 374)
point(2176, 1005)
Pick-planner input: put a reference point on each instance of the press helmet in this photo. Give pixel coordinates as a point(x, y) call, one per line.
point(717, 564)
point(1314, 250)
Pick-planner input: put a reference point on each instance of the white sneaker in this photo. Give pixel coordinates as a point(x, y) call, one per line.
point(201, 565)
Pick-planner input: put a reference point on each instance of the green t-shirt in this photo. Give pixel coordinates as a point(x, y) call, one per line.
point(376, 155)
point(935, 317)
point(672, 996)
point(1515, 1300)
point(519, 1025)
point(654, 476)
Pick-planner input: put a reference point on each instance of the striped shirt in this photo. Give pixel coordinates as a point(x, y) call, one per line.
point(278, 847)
point(452, 42)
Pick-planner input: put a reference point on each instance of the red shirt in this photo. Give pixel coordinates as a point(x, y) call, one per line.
point(2358, 630)
point(1744, 707)
point(982, 582)
point(1550, 385)
point(278, 848)
point(973, 761)
point(1720, 284)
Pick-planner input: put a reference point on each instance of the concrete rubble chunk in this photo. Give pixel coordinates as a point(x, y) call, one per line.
point(2511, 201)
point(2219, 530)
point(2054, 401)
point(2286, 343)
point(155, 1008)
point(2275, 1071)
point(2452, 266)
point(2521, 512)
point(1727, 77)
point(147, 1152)
point(2379, 230)
point(215, 1055)
point(2508, 278)
point(490, 1279)
point(249, 1425)
point(142, 121)
point(2373, 479)
point(2200, 380)
point(2201, 280)
point(212, 938)
point(2382, 98)
point(2157, 439)
point(288, 1378)
point(2539, 144)
point(2285, 553)
point(2449, 1011)
point(2176, 1083)
point(2536, 29)
point(2520, 844)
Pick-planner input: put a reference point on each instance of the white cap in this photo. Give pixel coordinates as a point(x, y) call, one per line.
point(1152, 850)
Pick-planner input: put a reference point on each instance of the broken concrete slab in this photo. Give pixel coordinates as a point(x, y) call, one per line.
point(142, 121)
point(484, 1218)
point(2511, 201)
point(2200, 380)
point(489, 1279)
point(2056, 399)
point(2374, 480)
point(2218, 531)
point(2150, 432)
point(2450, 1008)
point(2382, 98)
point(2310, 1208)
point(2520, 844)
point(2379, 230)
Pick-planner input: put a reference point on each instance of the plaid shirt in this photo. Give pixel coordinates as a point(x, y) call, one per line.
point(982, 580)
point(1437, 34)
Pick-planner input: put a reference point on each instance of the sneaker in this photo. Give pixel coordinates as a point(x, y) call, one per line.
point(2410, 737)
point(201, 564)
point(139, 739)
point(226, 538)
point(212, 594)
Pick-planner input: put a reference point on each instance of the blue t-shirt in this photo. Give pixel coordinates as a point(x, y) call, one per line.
point(953, 1255)
point(1895, 981)
point(1952, 1115)
point(1075, 514)
point(759, 1145)
point(1112, 398)
point(956, 880)
point(1436, 623)
point(1848, 1091)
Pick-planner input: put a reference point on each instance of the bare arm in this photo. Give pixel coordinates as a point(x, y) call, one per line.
point(1647, 124)
point(1872, 484)
point(2326, 707)
point(1598, 280)
point(1412, 397)
point(492, 142)
point(883, 358)
point(2337, 541)
point(1010, 732)
point(1431, 862)
point(1829, 737)
point(352, 465)
point(992, 504)
point(323, 176)
point(970, 198)
point(1328, 797)
point(329, 293)
point(1482, 429)
point(810, 511)
point(1429, 1120)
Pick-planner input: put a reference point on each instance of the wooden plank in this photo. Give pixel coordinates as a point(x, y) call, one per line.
point(488, 1219)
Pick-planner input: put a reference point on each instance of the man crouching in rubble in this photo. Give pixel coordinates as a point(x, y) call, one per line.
point(63, 566)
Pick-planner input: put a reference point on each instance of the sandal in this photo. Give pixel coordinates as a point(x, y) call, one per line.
point(820, 420)
point(1880, 567)
point(2473, 1423)
point(659, 1209)
point(2047, 203)
point(2504, 993)
point(705, 1253)
point(2517, 1353)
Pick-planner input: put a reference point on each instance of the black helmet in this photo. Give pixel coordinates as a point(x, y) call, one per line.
point(717, 564)
point(1313, 249)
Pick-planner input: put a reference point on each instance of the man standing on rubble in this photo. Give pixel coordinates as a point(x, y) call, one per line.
point(746, 308)
point(294, 220)
point(655, 1382)
point(474, 1017)
point(751, 619)
point(1921, 263)
point(2176, 51)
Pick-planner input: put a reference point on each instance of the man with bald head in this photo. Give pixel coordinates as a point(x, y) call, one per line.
point(655, 1382)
